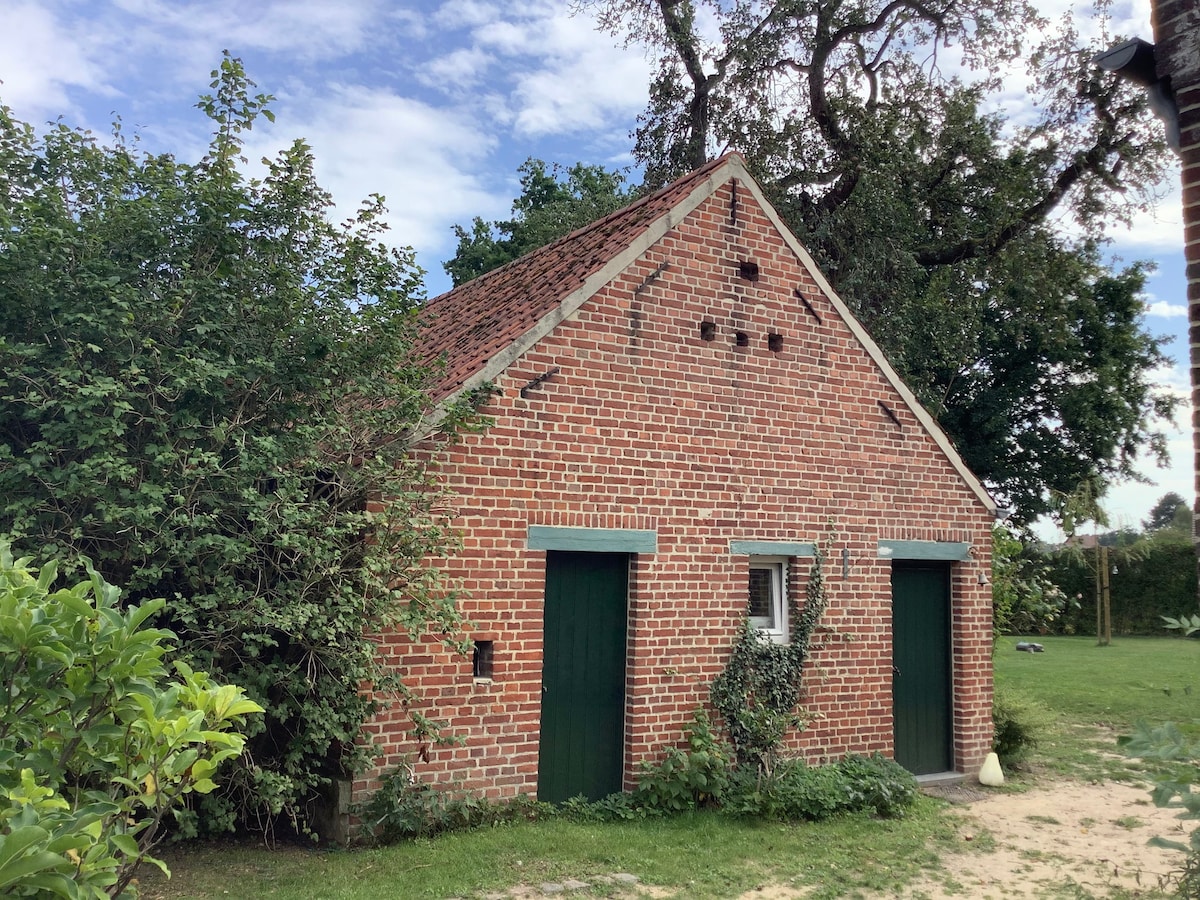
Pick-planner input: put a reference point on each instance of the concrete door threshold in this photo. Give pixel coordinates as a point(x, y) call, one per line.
point(940, 778)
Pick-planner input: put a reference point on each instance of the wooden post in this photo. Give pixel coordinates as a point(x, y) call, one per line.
point(1106, 595)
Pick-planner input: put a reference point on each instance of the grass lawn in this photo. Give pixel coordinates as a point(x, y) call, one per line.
point(699, 856)
point(1089, 694)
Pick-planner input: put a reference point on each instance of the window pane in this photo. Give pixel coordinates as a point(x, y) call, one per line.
point(760, 595)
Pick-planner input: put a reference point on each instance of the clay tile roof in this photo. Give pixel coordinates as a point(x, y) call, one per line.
point(469, 325)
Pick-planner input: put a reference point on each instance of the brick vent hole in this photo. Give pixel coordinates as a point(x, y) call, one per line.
point(743, 339)
point(708, 331)
point(481, 660)
point(775, 342)
point(748, 270)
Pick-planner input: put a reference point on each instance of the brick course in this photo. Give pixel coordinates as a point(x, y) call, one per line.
point(648, 425)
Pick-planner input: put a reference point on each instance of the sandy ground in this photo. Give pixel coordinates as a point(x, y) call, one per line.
point(1062, 841)
point(1052, 842)
point(1069, 840)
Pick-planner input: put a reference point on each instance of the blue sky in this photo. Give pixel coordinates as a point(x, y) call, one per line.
point(434, 105)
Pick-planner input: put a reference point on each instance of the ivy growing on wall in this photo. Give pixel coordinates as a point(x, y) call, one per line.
point(758, 693)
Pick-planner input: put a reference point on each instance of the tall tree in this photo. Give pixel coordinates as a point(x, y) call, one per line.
point(1165, 513)
point(201, 384)
point(864, 121)
point(551, 204)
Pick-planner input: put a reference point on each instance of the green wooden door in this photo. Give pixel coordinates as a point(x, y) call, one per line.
point(922, 679)
point(582, 743)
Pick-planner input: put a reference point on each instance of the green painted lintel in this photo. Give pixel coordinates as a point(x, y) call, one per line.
point(944, 550)
point(770, 548)
point(593, 540)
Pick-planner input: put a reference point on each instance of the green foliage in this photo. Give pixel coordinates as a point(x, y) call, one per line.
point(794, 792)
point(1024, 598)
point(758, 691)
point(700, 775)
point(686, 778)
point(1167, 743)
point(1155, 578)
point(1186, 625)
point(1055, 385)
point(550, 205)
point(101, 741)
point(1170, 511)
point(620, 807)
point(404, 809)
point(1019, 722)
point(204, 384)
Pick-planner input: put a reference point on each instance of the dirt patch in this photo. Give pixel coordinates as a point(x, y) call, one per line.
point(1065, 840)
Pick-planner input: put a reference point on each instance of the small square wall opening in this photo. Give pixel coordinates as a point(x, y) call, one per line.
point(481, 660)
point(748, 270)
point(708, 330)
point(742, 339)
point(774, 342)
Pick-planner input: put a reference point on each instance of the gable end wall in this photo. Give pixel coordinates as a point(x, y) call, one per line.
point(647, 426)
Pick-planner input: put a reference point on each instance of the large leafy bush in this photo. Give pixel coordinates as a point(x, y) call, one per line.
point(101, 740)
point(205, 388)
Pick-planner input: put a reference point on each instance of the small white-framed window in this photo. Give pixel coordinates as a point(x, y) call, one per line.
point(768, 596)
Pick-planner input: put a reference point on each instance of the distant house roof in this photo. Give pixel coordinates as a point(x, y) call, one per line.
point(477, 330)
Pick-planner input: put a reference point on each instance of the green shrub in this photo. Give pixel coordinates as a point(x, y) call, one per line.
point(203, 379)
point(619, 807)
point(793, 791)
point(1025, 598)
point(100, 740)
point(878, 784)
point(403, 809)
point(1017, 721)
point(687, 778)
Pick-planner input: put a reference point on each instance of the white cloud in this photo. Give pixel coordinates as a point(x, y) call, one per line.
point(1166, 310)
point(583, 83)
point(462, 68)
point(465, 13)
point(43, 58)
point(311, 29)
point(1161, 226)
point(427, 162)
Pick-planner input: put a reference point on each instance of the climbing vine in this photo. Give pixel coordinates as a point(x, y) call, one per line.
point(758, 693)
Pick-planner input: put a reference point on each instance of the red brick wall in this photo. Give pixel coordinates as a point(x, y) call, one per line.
point(1177, 54)
point(647, 426)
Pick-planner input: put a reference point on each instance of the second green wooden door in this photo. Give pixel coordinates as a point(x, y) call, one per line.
point(921, 671)
point(581, 748)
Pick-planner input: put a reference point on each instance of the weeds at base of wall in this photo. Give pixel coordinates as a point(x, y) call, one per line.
point(792, 792)
point(403, 809)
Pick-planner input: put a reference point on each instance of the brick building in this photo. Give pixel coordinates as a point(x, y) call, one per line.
point(1177, 58)
point(683, 407)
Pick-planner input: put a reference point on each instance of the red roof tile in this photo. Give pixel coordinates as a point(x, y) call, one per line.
point(469, 325)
